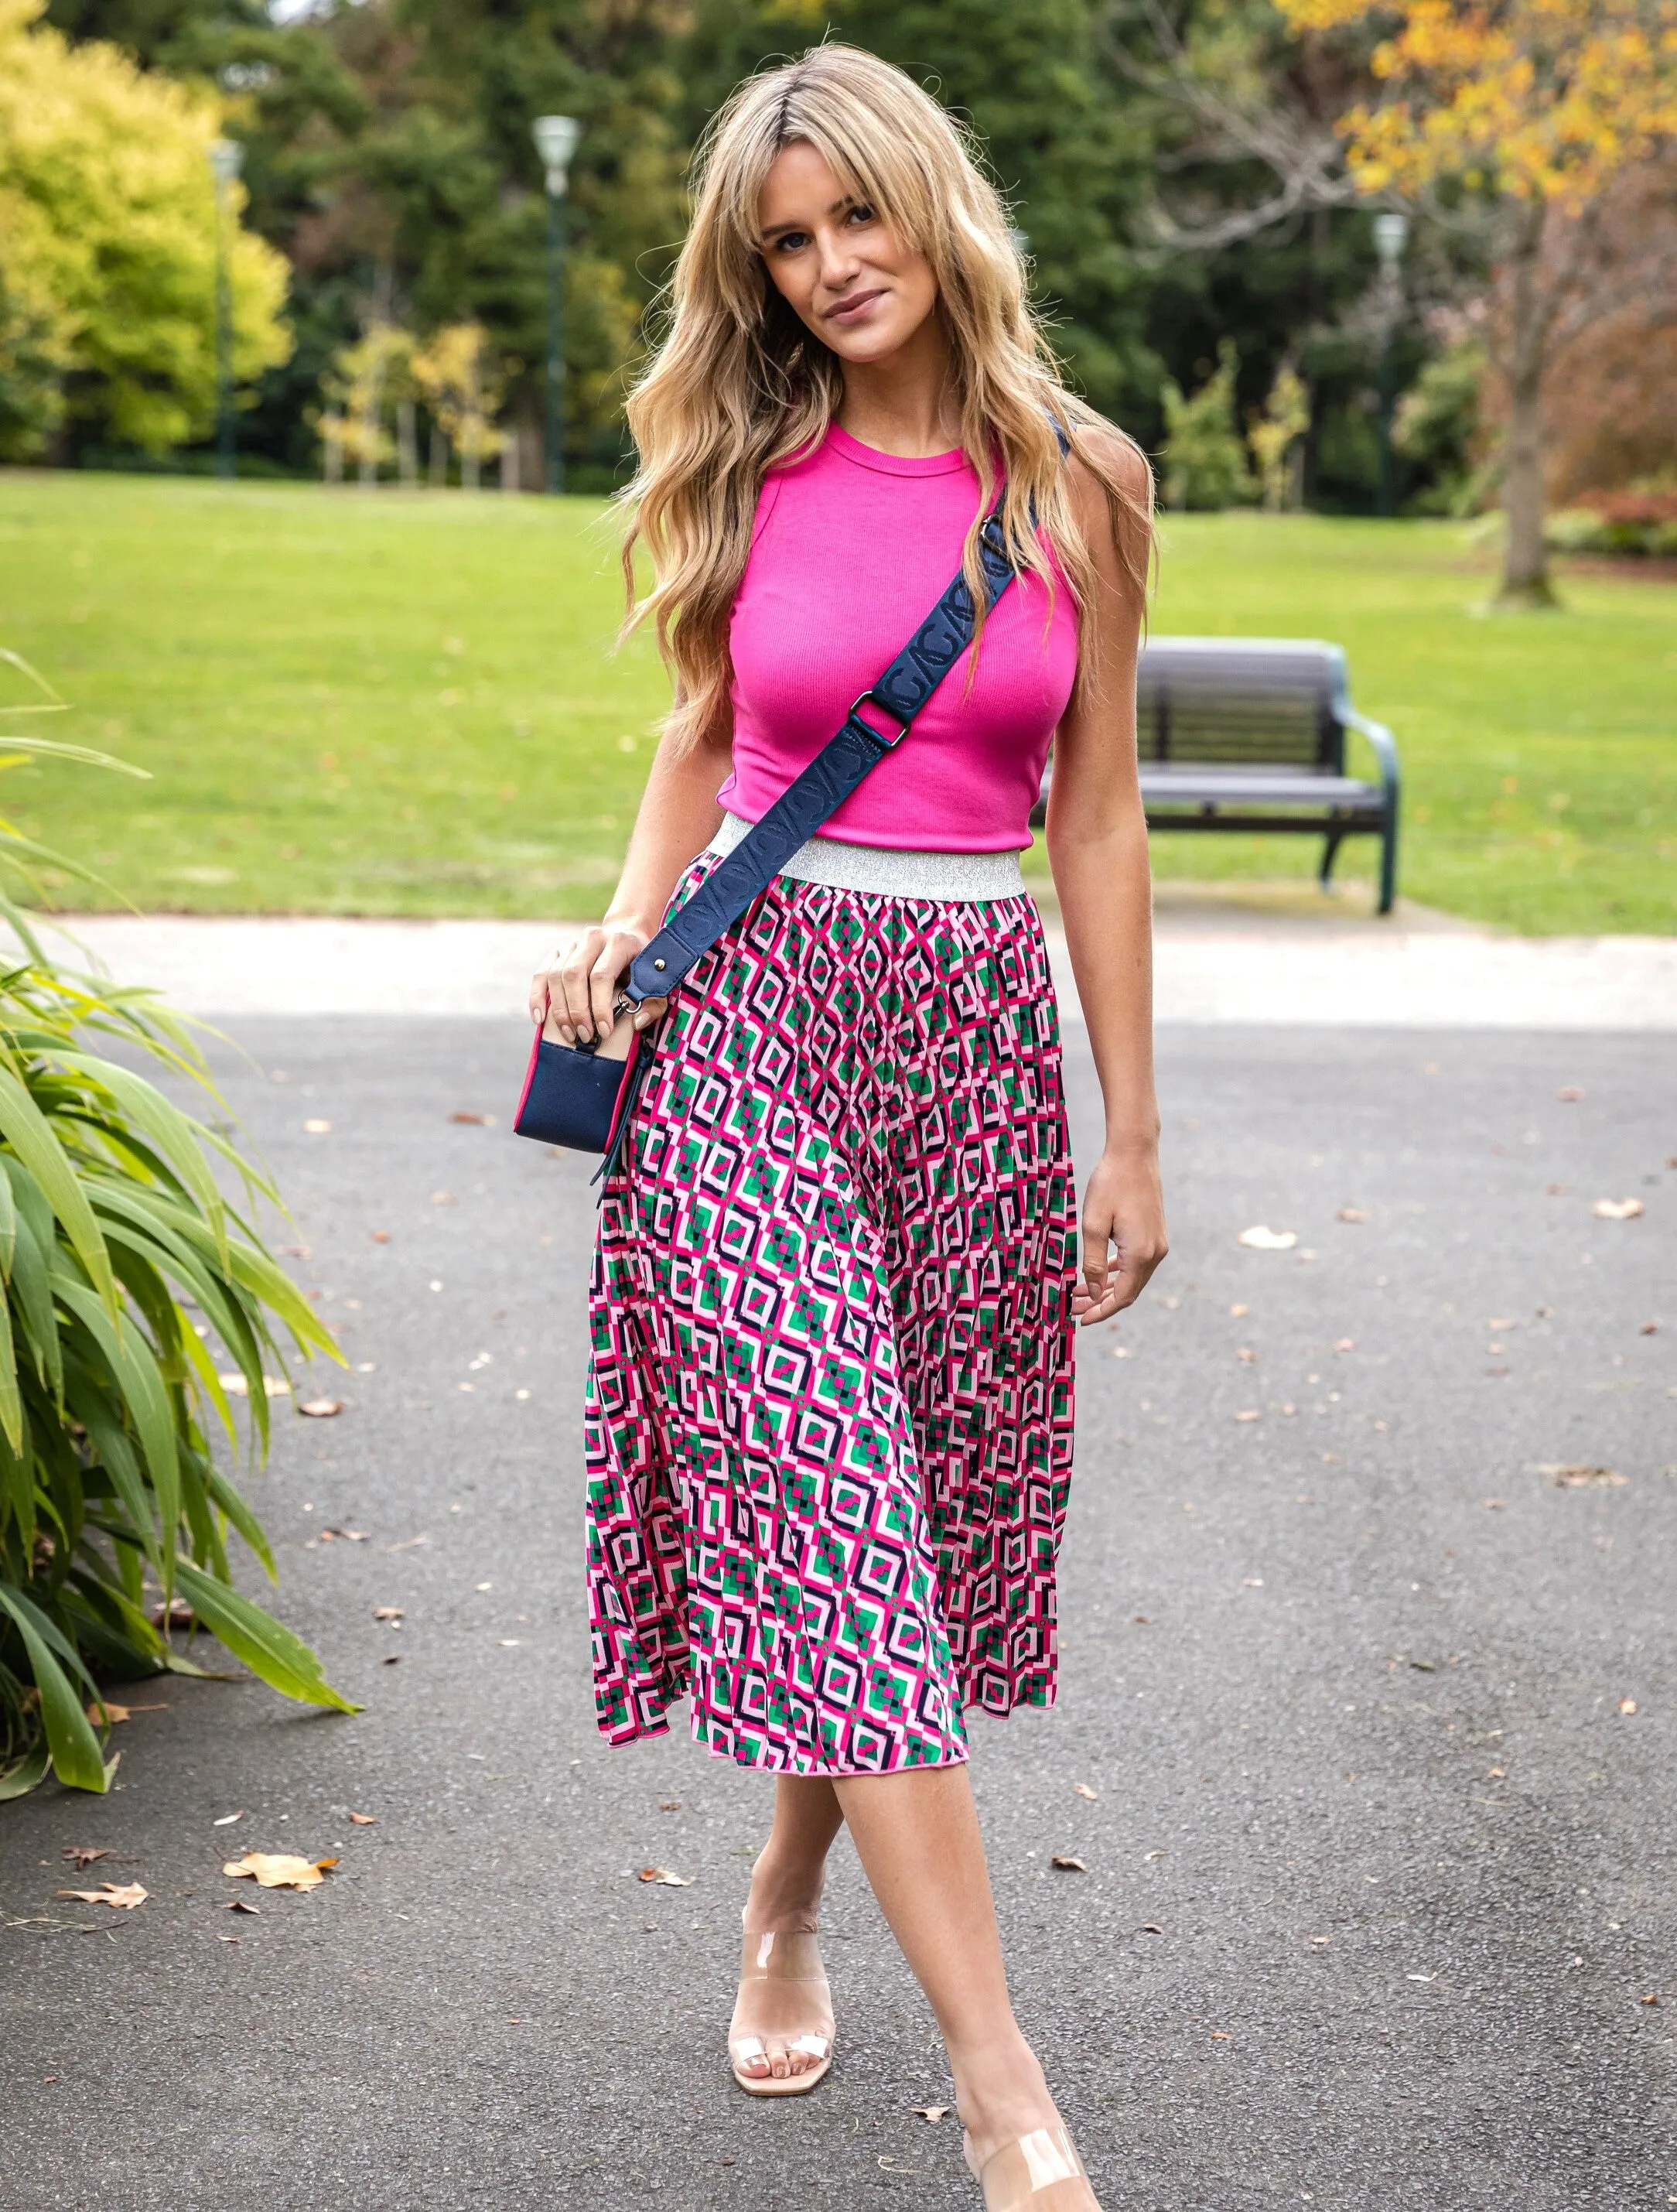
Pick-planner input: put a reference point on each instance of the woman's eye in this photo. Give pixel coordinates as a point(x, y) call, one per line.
point(792, 242)
point(859, 215)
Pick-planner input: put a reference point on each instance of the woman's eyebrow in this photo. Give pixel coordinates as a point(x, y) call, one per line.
point(775, 230)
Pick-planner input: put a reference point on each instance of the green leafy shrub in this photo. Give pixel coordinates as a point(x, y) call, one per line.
point(1206, 460)
point(1439, 428)
point(114, 1235)
point(1640, 522)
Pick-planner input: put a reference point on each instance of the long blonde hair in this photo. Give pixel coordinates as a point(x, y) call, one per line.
point(740, 383)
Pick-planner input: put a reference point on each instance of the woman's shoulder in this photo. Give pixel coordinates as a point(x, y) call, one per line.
point(1102, 458)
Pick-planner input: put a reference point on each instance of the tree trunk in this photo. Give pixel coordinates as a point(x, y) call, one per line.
point(407, 444)
point(438, 469)
point(1525, 560)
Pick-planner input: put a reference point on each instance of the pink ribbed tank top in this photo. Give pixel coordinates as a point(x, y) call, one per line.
point(850, 551)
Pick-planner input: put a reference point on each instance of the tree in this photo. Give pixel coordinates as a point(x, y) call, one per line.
point(1534, 110)
point(462, 390)
point(1205, 461)
point(1275, 436)
point(107, 240)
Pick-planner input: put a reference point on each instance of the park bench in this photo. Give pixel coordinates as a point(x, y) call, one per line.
point(1249, 733)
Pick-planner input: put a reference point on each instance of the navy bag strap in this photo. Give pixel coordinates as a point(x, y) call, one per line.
point(854, 750)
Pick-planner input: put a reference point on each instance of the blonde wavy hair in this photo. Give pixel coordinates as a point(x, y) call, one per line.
point(738, 383)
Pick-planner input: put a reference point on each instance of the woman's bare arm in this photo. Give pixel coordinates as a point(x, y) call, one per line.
point(1097, 848)
point(677, 817)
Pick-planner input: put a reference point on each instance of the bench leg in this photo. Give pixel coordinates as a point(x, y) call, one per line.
point(1388, 864)
point(1330, 849)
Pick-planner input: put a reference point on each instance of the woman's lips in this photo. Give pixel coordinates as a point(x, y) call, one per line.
point(848, 310)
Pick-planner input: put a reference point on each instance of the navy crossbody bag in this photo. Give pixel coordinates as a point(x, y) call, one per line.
point(582, 1096)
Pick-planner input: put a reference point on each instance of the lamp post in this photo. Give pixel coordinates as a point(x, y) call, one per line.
point(1391, 233)
point(556, 138)
point(226, 159)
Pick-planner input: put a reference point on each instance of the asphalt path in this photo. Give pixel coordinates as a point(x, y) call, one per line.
point(1378, 1888)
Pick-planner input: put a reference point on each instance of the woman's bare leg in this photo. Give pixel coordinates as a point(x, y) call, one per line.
point(917, 1836)
point(786, 1896)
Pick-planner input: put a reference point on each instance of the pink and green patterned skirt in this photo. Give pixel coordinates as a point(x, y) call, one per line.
point(828, 1424)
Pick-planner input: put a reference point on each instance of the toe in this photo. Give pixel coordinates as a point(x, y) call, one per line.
point(780, 2065)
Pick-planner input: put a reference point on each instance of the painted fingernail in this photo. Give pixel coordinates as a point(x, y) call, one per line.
point(566, 1035)
point(603, 1029)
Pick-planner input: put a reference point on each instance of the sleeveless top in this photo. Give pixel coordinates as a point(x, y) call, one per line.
point(850, 551)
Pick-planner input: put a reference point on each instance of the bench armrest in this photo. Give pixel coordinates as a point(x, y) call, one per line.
point(1383, 746)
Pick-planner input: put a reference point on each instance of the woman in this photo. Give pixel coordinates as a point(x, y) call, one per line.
point(830, 1397)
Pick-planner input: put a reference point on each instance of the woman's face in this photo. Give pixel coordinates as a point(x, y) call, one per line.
point(839, 268)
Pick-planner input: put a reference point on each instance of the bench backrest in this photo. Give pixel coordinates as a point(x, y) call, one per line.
point(1245, 702)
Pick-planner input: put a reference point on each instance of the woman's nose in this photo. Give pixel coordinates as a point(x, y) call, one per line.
point(838, 260)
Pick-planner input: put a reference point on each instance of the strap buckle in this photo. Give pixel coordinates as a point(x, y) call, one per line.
point(873, 699)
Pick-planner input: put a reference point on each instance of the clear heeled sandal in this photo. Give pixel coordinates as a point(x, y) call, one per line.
point(1039, 2173)
point(784, 1959)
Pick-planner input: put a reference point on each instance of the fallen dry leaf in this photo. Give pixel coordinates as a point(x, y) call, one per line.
point(1627, 1704)
point(1350, 1213)
point(1344, 1344)
point(1651, 1998)
point(342, 1535)
point(380, 1236)
point(316, 1128)
point(1220, 2035)
point(293, 1251)
point(664, 1880)
point(106, 1713)
point(1263, 1239)
point(388, 1612)
point(444, 1198)
point(1253, 1582)
point(935, 2112)
point(280, 1869)
point(1569, 1094)
point(1649, 1329)
point(1083, 1790)
point(1616, 1209)
point(82, 1855)
point(242, 1904)
point(474, 1120)
point(1238, 1313)
point(320, 1409)
point(1577, 1474)
point(1496, 1506)
point(1150, 1927)
point(181, 1616)
point(365, 1820)
point(669, 1804)
point(123, 1896)
point(227, 1820)
point(1067, 1863)
point(1245, 1354)
point(236, 1385)
point(1251, 1413)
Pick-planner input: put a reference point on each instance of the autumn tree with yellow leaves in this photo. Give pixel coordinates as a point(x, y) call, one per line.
point(1542, 110)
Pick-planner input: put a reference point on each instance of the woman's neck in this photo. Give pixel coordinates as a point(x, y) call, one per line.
point(905, 404)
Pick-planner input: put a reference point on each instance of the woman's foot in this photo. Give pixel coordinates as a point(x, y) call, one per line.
point(780, 2037)
point(1015, 2141)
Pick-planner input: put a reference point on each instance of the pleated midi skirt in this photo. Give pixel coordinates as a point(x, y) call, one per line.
point(830, 1400)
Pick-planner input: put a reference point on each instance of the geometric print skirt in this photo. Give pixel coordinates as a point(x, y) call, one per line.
point(829, 1418)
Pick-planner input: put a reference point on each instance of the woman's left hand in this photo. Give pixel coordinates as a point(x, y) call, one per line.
point(1124, 1238)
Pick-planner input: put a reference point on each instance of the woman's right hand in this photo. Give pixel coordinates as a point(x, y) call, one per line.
point(573, 995)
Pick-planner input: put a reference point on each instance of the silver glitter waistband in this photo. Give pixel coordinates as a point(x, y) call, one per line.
point(887, 872)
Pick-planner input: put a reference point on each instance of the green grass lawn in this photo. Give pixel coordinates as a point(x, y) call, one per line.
point(407, 703)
